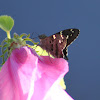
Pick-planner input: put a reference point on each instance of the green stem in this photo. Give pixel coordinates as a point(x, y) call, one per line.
point(8, 35)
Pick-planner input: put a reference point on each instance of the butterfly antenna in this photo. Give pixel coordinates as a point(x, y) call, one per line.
point(36, 36)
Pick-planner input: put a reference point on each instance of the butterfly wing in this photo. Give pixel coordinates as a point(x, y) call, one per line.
point(54, 45)
point(65, 53)
point(70, 34)
point(57, 44)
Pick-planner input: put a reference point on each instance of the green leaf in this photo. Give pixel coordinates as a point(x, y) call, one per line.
point(6, 23)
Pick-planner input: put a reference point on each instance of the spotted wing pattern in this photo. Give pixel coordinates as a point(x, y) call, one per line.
point(57, 44)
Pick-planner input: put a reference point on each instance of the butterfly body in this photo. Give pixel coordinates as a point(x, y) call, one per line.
point(57, 44)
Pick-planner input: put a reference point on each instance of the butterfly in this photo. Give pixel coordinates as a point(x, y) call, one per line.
point(57, 44)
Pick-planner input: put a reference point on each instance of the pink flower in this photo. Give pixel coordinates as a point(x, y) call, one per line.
point(27, 76)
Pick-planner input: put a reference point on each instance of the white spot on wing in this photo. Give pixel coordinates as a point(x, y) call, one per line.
point(71, 35)
point(59, 41)
point(54, 37)
point(61, 32)
point(62, 36)
point(67, 37)
point(72, 30)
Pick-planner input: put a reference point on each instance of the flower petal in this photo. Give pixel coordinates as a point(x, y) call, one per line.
point(26, 76)
point(57, 93)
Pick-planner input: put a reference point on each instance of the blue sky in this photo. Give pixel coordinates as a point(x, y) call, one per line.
point(51, 16)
